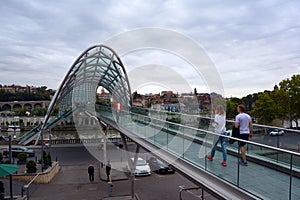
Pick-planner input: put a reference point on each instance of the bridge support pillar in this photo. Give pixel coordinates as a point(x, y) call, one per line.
point(131, 164)
point(105, 145)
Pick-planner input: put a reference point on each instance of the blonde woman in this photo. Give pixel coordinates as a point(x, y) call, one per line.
point(219, 124)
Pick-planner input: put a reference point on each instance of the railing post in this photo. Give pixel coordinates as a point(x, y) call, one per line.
point(180, 197)
point(167, 141)
point(27, 195)
point(238, 168)
point(291, 177)
point(22, 191)
point(277, 155)
point(183, 144)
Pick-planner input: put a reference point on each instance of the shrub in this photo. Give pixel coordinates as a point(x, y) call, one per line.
point(6, 162)
point(22, 156)
point(31, 166)
point(47, 159)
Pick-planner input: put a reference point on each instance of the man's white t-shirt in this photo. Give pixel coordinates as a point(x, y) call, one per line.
point(244, 120)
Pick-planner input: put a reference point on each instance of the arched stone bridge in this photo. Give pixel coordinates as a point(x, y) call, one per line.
point(28, 105)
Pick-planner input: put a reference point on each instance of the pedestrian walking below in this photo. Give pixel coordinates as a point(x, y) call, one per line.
point(107, 170)
point(91, 172)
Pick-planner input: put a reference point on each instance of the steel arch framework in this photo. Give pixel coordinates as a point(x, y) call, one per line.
point(98, 66)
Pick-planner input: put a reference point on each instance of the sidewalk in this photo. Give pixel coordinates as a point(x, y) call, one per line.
point(72, 183)
point(118, 172)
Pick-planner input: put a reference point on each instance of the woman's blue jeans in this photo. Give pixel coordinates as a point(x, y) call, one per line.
point(222, 140)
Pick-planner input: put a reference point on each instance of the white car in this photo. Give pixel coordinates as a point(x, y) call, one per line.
point(276, 132)
point(142, 167)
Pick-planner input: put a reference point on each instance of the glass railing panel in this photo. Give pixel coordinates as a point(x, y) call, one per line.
point(228, 173)
point(295, 187)
point(160, 138)
point(175, 140)
point(263, 176)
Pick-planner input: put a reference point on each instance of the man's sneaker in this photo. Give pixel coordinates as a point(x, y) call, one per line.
point(243, 163)
point(224, 164)
point(209, 157)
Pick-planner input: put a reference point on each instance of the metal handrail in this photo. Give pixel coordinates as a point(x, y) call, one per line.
point(227, 120)
point(27, 186)
point(213, 133)
point(183, 189)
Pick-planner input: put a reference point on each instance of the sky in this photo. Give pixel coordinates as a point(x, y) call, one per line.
point(253, 44)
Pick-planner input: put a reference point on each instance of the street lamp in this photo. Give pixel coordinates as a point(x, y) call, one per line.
point(10, 161)
point(290, 110)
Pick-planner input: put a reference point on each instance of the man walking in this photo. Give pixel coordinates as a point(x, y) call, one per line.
point(91, 172)
point(243, 121)
point(108, 169)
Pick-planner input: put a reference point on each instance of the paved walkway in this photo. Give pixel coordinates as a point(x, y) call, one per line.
point(72, 183)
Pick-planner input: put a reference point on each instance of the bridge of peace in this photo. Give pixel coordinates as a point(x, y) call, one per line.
point(273, 172)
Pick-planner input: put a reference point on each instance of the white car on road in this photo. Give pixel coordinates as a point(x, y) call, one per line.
point(142, 167)
point(276, 132)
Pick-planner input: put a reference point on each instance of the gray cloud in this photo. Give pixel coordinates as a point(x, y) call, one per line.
point(254, 44)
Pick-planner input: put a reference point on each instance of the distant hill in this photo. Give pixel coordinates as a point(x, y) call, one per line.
point(25, 93)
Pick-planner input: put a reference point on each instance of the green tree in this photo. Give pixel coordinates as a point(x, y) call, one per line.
point(292, 89)
point(280, 98)
point(231, 109)
point(21, 112)
point(265, 109)
point(248, 102)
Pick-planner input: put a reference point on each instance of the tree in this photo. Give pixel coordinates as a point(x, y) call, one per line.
point(265, 110)
point(231, 108)
point(292, 88)
point(280, 98)
point(248, 102)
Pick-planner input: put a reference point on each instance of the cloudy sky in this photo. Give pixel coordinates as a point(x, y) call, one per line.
point(253, 44)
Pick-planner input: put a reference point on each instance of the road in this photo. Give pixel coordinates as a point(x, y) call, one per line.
point(72, 181)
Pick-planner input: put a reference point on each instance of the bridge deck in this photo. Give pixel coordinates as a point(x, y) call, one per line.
point(231, 182)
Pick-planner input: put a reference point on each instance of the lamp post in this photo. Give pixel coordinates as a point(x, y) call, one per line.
point(297, 108)
point(290, 110)
point(42, 150)
point(10, 161)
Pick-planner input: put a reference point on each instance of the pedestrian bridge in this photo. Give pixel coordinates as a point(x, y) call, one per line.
point(273, 170)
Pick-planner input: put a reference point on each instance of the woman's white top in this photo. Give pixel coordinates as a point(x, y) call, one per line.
point(220, 123)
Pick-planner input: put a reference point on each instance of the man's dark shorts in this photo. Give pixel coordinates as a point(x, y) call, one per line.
point(243, 137)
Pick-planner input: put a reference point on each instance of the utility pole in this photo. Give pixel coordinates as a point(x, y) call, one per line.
point(42, 151)
point(10, 161)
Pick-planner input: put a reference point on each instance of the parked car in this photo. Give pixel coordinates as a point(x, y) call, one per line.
point(276, 132)
point(159, 166)
point(2, 138)
point(118, 144)
point(16, 150)
point(142, 167)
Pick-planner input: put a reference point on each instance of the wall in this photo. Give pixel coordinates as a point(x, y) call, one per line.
point(44, 177)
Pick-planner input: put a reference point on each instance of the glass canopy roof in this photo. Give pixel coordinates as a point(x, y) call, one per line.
point(97, 66)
